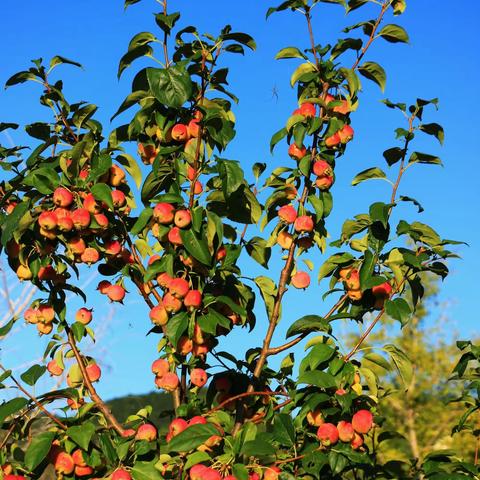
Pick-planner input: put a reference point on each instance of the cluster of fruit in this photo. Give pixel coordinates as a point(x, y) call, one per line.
point(351, 280)
point(348, 432)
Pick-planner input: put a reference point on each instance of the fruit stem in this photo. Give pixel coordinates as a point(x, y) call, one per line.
point(101, 405)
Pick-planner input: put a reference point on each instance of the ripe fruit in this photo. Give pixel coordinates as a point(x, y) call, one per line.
point(333, 140)
point(24, 273)
point(362, 421)
point(81, 218)
point(44, 328)
point(193, 128)
point(90, 256)
point(78, 459)
point(146, 432)
point(121, 474)
point(45, 314)
point(324, 182)
point(147, 153)
point(160, 367)
point(179, 287)
point(185, 345)
point(285, 239)
point(315, 418)
point(164, 279)
point(355, 295)
point(352, 280)
point(168, 382)
point(177, 425)
point(345, 431)
point(164, 213)
point(300, 279)
point(193, 300)
point(295, 152)
point(271, 473)
point(64, 463)
point(322, 167)
point(54, 368)
point(221, 253)
point(159, 315)
point(179, 132)
point(115, 293)
point(76, 245)
point(94, 373)
point(201, 472)
point(183, 218)
point(197, 420)
point(103, 286)
point(198, 377)
point(62, 197)
point(118, 198)
point(91, 204)
point(287, 213)
point(198, 336)
point(171, 303)
point(357, 441)
point(174, 236)
point(46, 273)
point(83, 471)
point(381, 293)
point(191, 173)
point(345, 133)
point(30, 315)
point(304, 223)
point(344, 108)
point(307, 109)
point(113, 247)
point(116, 176)
point(197, 188)
point(48, 221)
point(327, 434)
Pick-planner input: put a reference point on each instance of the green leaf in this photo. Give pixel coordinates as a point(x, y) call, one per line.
point(401, 362)
point(375, 72)
point(345, 44)
point(142, 221)
point(290, 52)
point(191, 438)
point(10, 224)
point(131, 166)
point(130, 56)
point(240, 471)
point(434, 129)
point(38, 449)
point(393, 155)
point(20, 77)
point(282, 133)
point(31, 376)
point(145, 471)
point(58, 60)
point(82, 434)
point(257, 447)
point(303, 69)
point(195, 246)
point(232, 176)
point(369, 174)
point(318, 378)
point(44, 179)
point(403, 198)
point(418, 157)
point(176, 327)
point(379, 213)
point(240, 37)
point(257, 248)
point(268, 290)
point(377, 359)
point(141, 39)
point(307, 324)
point(11, 406)
point(171, 86)
point(38, 130)
point(102, 192)
point(7, 327)
point(131, 2)
point(394, 34)
point(195, 458)
point(366, 270)
point(399, 310)
point(352, 79)
point(167, 22)
point(131, 100)
point(284, 430)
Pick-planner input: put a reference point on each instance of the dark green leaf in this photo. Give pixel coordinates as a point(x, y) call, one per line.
point(191, 438)
point(196, 246)
point(82, 434)
point(393, 155)
point(145, 471)
point(394, 34)
point(31, 376)
point(171, 86)
point(103, 193)
point(11, 406)
point(375, 72)
point(142, 221)
point(307, 324)
point(418, 157)
point(58, 59)
point(368, 174)
point(38, 449)
point(318, 379)
point(176, 327)
point(434, 129)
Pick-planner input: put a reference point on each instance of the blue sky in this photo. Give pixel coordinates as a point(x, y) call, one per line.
point(440, 61)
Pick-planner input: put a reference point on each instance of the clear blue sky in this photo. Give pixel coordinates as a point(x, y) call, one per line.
point(441, 61)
